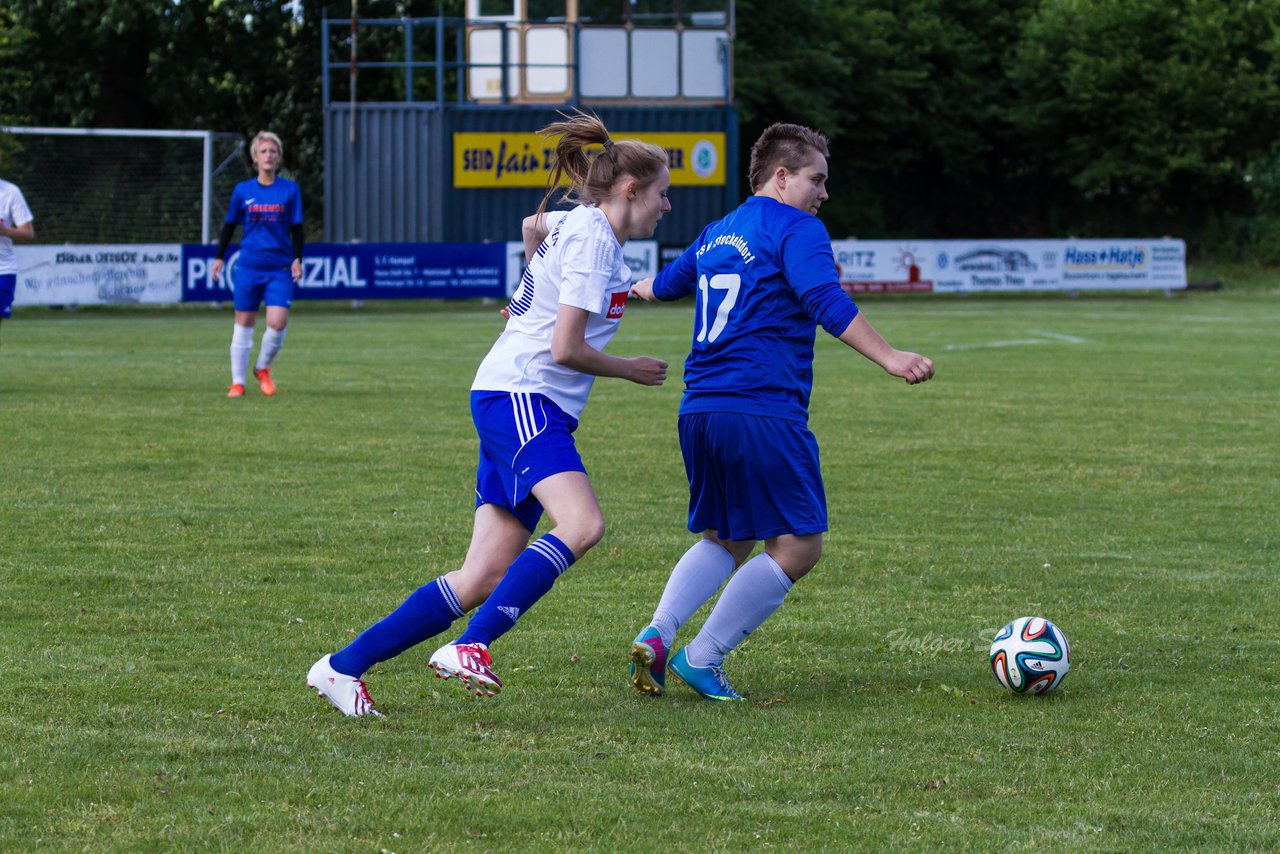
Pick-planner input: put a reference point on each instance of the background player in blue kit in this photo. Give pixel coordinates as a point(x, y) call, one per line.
point(269, 208)
point(765, 278)
point(525, 402)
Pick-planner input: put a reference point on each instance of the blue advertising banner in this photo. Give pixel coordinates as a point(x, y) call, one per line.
point(366, 271)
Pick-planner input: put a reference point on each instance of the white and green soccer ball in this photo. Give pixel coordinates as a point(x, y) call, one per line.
point(1030, 656)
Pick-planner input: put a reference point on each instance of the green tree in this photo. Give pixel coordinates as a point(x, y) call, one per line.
point(789, 66)
point(246, 66)
point(928, 129)
point(14, 77)
point(86, 60)
point(913, 93)
point(947, 117)
point(223, 65)
point(1144, 114)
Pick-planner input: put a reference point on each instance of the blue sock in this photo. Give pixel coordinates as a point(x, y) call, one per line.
point(428, 611)
point(526, 581)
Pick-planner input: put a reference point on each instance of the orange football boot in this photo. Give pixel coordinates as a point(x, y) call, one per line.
point(265, 385)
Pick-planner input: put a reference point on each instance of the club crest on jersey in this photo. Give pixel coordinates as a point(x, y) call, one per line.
point(617, 305)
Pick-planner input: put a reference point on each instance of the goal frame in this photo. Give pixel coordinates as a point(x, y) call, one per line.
point(206, 182)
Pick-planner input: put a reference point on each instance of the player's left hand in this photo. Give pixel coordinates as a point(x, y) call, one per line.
point(296, 270)
point(643, 289)
point(646, 370)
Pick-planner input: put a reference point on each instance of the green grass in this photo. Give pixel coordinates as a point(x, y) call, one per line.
point(1234, 275)
point(173, 561)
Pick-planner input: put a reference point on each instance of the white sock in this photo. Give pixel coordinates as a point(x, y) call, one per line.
point(696, 578)
point(754, 592)
point(272, 341)
point(241, 344)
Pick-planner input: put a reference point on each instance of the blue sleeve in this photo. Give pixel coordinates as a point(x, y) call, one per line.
point(830, 306)
point(680, 277)
point(297, 205)
point(810, 268)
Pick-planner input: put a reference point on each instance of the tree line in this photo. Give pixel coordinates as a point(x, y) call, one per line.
point(948, 118)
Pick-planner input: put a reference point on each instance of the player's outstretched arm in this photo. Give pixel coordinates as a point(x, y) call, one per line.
point(643, 289)
point(863, 337)
point(569, 347)
point(679, 279)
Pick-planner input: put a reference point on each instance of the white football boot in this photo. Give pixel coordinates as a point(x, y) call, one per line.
point(470, 663)
point(347, 693)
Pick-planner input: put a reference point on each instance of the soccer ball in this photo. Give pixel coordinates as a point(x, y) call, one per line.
point(1030, 656)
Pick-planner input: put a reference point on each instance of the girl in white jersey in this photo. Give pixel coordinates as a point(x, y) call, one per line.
point(525, 402)
point(15, 227)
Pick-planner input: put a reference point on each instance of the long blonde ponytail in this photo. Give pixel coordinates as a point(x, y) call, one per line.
point(591, 179)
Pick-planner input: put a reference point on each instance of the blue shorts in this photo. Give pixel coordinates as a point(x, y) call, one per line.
point(252, 287)
point(8, 285)
point(524, 438)
point(752, 477)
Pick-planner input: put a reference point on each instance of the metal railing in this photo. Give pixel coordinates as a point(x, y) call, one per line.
point(451, 70)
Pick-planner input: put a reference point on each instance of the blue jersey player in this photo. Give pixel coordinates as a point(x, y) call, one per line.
point(269, 208)
point(764, 279)
point(526, 399)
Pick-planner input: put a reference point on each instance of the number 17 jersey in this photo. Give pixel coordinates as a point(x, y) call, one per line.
point(753, 339)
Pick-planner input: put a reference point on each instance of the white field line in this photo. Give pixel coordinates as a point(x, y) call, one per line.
point(1044, 338)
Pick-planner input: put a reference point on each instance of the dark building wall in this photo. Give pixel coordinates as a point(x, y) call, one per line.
point(394, 183)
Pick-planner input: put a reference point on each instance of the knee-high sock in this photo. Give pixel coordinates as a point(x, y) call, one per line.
point(755, 591)
point(272, 341)
point(427, 612)
point(527, 580)
point(241, 344)
point(696, 578)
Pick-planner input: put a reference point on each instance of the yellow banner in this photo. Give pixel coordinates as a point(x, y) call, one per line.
point(493, 160)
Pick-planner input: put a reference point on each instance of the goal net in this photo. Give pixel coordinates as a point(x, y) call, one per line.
point(124, 186)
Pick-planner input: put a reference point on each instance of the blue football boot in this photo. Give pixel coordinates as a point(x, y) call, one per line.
point(708, 681)
point(649, 663)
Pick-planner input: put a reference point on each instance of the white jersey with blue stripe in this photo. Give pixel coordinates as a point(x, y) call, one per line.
point(15, 213)
point(579, 264)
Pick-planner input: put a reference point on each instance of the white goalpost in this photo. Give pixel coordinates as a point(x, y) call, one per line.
point(115, 185)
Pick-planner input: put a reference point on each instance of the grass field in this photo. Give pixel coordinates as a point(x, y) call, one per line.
point(173, 561)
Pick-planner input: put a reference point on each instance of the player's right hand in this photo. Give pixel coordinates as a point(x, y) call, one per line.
point(912, 367)
point(647, 370)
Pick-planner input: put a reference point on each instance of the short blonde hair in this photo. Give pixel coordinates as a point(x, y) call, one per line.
point(264, 136)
